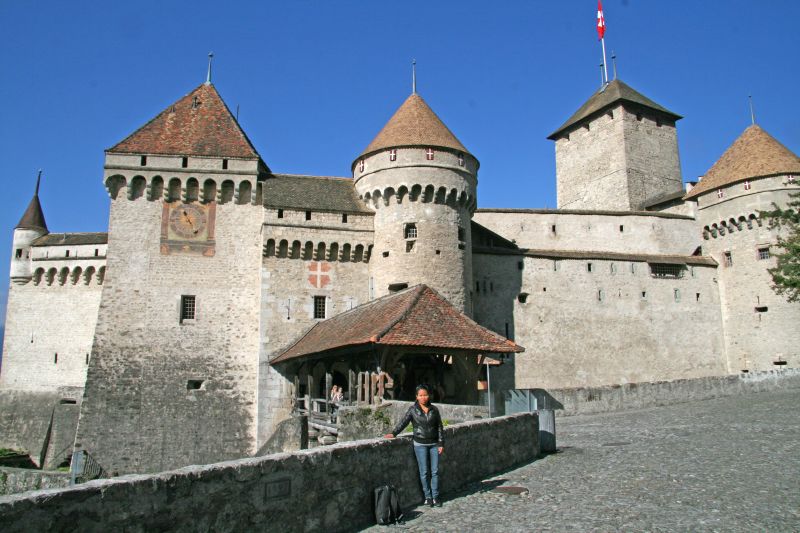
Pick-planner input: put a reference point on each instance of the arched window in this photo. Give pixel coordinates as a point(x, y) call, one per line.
point(346, 252)
point(174, 190)
point(416, 190)
point(308, 250)
point(156, 188)
point(358, 256)
point(114, 184)
point(320, 251)
point(137, 187)
point(245, 192)
point(333, 252)
point(192, 190)
point(296, 250)
point(283, 248)
point(226, 194)
point(269, 251)
point(209, 191)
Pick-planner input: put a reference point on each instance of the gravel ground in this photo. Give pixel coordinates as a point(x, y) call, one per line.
point(731, 464)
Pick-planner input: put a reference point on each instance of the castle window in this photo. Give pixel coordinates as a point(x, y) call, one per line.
point(621, 228)
point(790, 179)
point(727, 259)
point(319, 307)
point(410, 231)
point(553, 228)
point(460, 159)
point(55, 358)
point(386, 254)
point(66, 253)
point(280, 213)
point(18, 253)
point(639, 117)
point(184, 162)
point(224, 164)
point(588, 267)
point(520, 265)
point(601, 295)
point(644, 295)
point(143, 160)
point(361, 165)
point(746, 185)
point(188, 307)
point(392, 155)
point(697, 297)
point(556, 265)
point(633, 268)
point(344, 218)
point(522, 297)
point(763, 253)
point(194, 384)
point(96, 252)
point(759, 309)
point(720, 193)
point(677, 295)
point(461, 234)
point(612, 268)
point(664, 270)
point(308, 215)
point(429, 154)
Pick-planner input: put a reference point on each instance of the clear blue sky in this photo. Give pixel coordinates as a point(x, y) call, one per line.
point(316, 80)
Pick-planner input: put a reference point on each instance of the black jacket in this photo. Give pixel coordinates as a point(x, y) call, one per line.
point(428, 428)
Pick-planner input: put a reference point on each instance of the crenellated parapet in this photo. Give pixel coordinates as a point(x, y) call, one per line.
point(153, 186)
point(732, 225)
point(74, 275)
point(453, 197)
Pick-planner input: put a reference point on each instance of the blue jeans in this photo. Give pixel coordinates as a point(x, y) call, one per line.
point(428, 462)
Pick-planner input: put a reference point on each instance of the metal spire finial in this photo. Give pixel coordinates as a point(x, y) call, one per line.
point(413, 76)
point(208, 76)
point(752, 113)
point(38, 180)
point(614, 62)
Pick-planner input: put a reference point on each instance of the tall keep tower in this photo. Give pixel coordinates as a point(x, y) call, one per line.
point(421, 182)
point(619, 150)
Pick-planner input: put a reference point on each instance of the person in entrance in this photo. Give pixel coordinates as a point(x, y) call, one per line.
point(428, 442)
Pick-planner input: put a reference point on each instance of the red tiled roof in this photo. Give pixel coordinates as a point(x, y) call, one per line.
point(418, 316)
point(414, 124)
point(198, 124)
point(754, 154)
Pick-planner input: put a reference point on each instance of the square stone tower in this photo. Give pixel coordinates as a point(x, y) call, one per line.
point(617, 152)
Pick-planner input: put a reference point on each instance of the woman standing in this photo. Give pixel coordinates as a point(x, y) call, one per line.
point(428, 442)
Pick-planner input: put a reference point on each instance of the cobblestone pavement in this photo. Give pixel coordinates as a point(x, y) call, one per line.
point(730, 464)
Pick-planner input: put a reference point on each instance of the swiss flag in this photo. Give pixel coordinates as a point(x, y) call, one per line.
point(601, 21)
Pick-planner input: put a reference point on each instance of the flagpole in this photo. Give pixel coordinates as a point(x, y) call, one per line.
point(605, 65)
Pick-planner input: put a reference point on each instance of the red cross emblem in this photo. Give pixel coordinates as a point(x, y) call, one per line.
point(317, 274)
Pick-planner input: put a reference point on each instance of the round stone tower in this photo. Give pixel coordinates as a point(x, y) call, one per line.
point(30, 227)
point(421, 182)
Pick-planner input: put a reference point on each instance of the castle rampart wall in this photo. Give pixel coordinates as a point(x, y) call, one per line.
point(622, 232)
point(616, 323)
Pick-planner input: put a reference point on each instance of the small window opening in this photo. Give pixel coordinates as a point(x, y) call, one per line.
point(460, 159)
point(429, 154)
point(96, 252)
point(621, 228)
point(613, 268)
point(18, 253)
point(55, 358)
point(409, 246)
point(308, 215)
point(520, 265)
point(188, 307)
point(361, 165)
point(522, 297)
point(438, 252)
point(224, 164)
point(601, 295)
point(143, 161)
point(633, 268)
point(392, 155)
point(727, 259)
point(66, 253)
point(319, 307)
point(553, 228)
point(763, 253)
point(87, 358)
point(667, 270)
point(588, 267)
point(762, 309)
point(746, 185)
point(396, 287)
point(344, 218)
point(644, 295)
point(556, 265)
point(779, 362)
point(544, 289)
point(720, 193)
point(410, 231)
point(677, 295)
point(697, 297)
point(639, 117)
point(194, 384)
point(386, 253)
point(185, 162)
point(280, 213)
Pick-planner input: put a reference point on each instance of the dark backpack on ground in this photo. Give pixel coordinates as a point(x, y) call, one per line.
point(387, 506)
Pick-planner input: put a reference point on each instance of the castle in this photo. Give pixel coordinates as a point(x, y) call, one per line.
point(185, 333)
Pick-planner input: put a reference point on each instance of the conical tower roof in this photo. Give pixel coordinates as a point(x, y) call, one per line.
point(33, 217)
point(754, 154)
point(198, 124)
point(414, 124)
point(608, 95)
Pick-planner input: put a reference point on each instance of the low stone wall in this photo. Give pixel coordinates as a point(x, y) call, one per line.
point(640, 395)
point(325, 489)
point(15, 480)
point(365, 422)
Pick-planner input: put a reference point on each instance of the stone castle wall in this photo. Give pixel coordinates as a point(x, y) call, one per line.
point(760, 325)
point(619, 232)
point(614, 324)
point(291, 276)
point(162, 392)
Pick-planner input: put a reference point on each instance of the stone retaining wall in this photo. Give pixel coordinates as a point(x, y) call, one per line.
point(640, 395)
point(15, 480)
point(325, 489)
